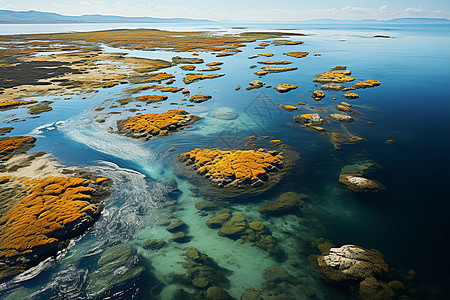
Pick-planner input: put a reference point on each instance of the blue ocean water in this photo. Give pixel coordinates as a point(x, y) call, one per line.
point(408, 223)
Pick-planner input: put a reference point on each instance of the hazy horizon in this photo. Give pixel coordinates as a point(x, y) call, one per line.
point(287, 10)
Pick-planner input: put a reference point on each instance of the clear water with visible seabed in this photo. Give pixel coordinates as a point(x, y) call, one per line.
point(408, 223)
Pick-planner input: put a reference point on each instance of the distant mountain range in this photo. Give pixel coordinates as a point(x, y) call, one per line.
point(32, 16)
point(27, 17)
point(398, 20)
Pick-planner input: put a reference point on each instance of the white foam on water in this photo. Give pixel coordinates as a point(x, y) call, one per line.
point(84, 130)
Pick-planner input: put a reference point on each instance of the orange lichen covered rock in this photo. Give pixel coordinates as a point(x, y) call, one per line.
point(152, 98)
point(188, 67)
point(283, 88)
point(350, 95)
point(196, 77)
point(149, 125)
point(288, 107)
point(214, 63)
point(224, 54)
point(274, 62)
point(14, 103)
point(343, 107)
point(199, 98)
point(299, 54)
point(334, 76)
point(108, 84)
point(158, 77)
point(366, 84)
point(265, 70)
point(234, 168)
point(10, 146)
point(47, 213)
point(286, 42)
point(318, 95)
point(165, 89)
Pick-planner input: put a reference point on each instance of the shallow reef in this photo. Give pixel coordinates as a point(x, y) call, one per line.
point(154, 124)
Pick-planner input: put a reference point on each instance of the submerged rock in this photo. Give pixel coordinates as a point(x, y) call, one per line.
point(364, 168)
point(175, 225)
point(278, 274)
point(360, 184)
point(119, 269)
point(217, 293)
point(218, 221)
point(287, 203)
point(255, 232)
point(372, 289)
point(154, 244)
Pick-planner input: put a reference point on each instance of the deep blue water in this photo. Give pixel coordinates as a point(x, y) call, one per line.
point(408, 223)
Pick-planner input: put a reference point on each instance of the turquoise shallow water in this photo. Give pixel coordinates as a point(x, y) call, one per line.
point(409, 223)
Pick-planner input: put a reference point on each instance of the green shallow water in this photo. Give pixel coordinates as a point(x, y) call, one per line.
point(408, 223)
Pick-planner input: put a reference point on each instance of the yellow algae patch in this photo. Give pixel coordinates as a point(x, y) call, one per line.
point(286, 42)
point(165, 89)
point(188, 67)
point(334, 76)
point(47, 207)
point(343, 107)
point(151, 98)
point(274, 62)
point(140, 88)
point(234, 168)
point(350, 95)
point(366, 84)
point(288, 107)
point(15, 144)
point(318, 95)
point(189, 78)
point(283, 88)
point(268, 69)
point(108, 84)
point(149, 125)
point(224, 54)
point(214, 63)
point(298, 54)
point(158, 77)
point(14, 103)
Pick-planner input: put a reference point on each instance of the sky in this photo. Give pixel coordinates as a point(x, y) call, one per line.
point(253, 10)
